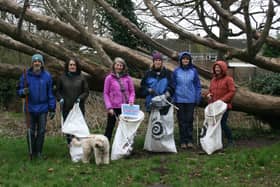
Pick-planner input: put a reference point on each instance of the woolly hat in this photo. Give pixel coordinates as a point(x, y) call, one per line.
point(38, 57)
point(157, 56)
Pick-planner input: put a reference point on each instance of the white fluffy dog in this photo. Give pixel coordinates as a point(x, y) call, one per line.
point(97, 143)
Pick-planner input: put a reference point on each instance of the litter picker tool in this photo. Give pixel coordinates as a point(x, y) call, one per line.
point(27, 116)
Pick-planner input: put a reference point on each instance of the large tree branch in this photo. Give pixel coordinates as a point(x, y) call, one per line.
point(240, 24)
point(93, 40)
point(137, 32)
point(53, 25)
point(272, 64)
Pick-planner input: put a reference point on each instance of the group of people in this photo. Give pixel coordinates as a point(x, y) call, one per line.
point(182, 87)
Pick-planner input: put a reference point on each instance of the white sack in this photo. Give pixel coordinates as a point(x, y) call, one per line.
point(75, 123)
point(76, 153)
point(124, 137)
point(159, 136)
point(211, 134)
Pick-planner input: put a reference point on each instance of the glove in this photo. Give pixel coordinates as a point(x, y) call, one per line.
point(51, 114)
point(167, 94)
point(25, 91)
point(78, 100)
point(151, 91)
point(61, 101)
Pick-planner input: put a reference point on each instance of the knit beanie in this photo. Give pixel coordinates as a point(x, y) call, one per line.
point(157, 56)
point(38, 57)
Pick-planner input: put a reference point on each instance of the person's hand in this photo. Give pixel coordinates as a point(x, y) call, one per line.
point(131, 103)
point(61, 101)
point(111, 112)
point(167, 94)
point(25, 91)
point(78, 100)
point(51, 114)
point(151, 91)
point(209, 96)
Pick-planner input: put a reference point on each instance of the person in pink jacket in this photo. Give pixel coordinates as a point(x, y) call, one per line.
point(118, 90)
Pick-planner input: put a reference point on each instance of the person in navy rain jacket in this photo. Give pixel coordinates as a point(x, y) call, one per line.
point(157, 81)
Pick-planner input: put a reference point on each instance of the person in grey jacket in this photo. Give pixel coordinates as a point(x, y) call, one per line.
point(186, 97)
point(72, 87)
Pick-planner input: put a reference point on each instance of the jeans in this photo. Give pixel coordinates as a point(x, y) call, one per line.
point(185, 120)
point(226, 128)
point(111, 120)
point(37, 132)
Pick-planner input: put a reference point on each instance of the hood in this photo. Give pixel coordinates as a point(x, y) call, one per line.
point(185, 53)
point(222, 65)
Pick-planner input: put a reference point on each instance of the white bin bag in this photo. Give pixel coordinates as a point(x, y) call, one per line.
point(75, 123)
point(211, 133)
point(124, 137)
point(159, 135)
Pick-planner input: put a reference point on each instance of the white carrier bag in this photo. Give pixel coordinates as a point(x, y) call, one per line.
point(124, 137)
point(211, 132)
point(76, 152)
point(159, 135)
point(75, 124)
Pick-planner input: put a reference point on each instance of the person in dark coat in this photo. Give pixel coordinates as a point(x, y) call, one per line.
point(72, 88)
point(157, 81)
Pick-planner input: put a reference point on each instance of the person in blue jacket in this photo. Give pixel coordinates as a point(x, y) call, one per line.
point(186, 97)
point(36, 83)
point(157, 81)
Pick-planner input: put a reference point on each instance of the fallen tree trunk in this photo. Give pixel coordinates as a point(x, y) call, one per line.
point(263, 106)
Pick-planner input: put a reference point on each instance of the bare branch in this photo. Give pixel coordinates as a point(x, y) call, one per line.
point(92, 39)
point(133, 28)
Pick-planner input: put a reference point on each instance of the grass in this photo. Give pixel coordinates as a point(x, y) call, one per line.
point(233, 167)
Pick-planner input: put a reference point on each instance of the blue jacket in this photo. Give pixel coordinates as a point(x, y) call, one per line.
point(40, 97)
point(159, 81)
point(186, 82)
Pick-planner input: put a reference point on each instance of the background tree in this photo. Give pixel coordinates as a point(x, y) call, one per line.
point(196, 21)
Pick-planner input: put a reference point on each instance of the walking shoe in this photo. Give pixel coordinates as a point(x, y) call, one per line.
point(190, 146)
point(183, 146)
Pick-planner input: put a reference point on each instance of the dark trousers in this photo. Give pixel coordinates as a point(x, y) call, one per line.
point(225, 127)
point(111, 120)
point(185, 120)
point(37, 132)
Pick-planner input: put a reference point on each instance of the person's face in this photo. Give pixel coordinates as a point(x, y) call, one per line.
point(157, 63)
point(118, 67)
point(36, 65)
point(185, 61)
point(218, 70)
point(72, 67)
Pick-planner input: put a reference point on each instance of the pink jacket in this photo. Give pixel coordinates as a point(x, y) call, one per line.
point(113, 96)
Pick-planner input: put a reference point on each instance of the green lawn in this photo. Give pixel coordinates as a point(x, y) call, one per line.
point(233, 167)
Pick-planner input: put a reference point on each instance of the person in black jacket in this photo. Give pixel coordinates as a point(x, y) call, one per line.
point(72, 88)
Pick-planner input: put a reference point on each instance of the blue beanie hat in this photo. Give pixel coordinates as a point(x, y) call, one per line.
point(157, 56)
point(38, 57)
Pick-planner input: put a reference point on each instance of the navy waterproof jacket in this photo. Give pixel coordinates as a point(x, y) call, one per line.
point(40, 97)
point(186, 82)
point(159, 81)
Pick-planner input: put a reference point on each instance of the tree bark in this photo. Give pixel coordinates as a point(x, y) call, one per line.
point(261, 105)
